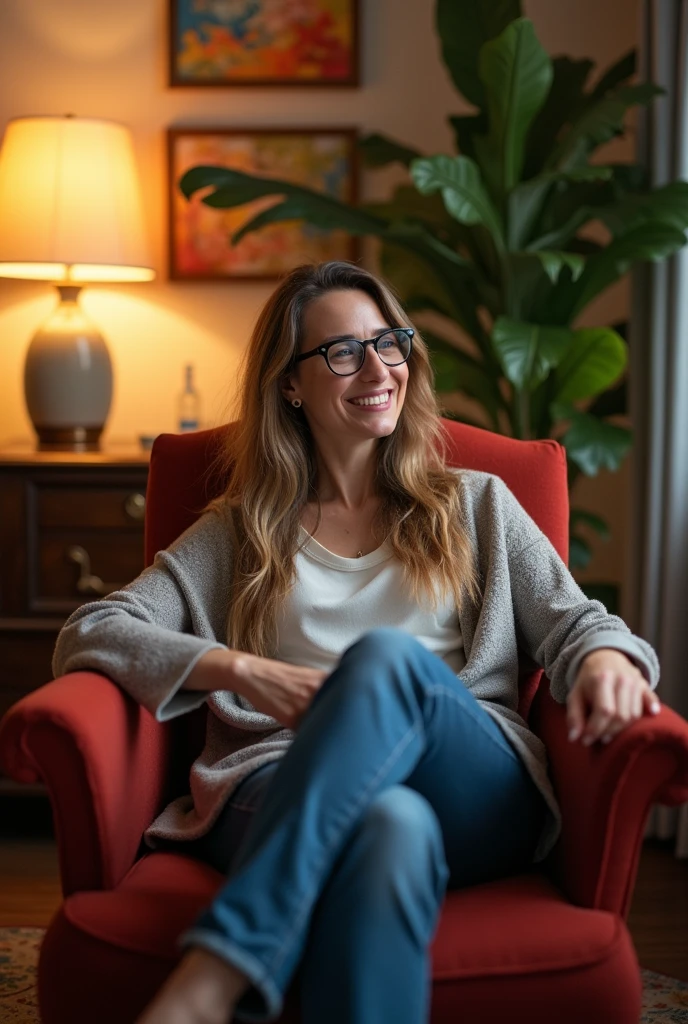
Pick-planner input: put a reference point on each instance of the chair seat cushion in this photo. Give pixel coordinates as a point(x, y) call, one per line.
point(515, 924)
point(520, 931)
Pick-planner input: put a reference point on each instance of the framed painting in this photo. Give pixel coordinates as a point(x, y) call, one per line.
point(264, 42)
point(324, 159)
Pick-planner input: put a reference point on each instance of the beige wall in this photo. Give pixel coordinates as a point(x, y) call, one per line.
point(108, 60)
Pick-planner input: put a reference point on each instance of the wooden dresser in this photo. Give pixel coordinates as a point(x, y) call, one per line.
point(71, 530)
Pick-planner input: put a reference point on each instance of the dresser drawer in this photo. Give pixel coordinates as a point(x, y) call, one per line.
point(71, 532)
point(83, 505)
point(77, 565)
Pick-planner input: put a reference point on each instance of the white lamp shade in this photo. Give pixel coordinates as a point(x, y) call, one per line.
point(70, 202)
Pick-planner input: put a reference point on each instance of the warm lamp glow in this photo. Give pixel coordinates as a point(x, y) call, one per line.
point(70, 204)
point(79, 272)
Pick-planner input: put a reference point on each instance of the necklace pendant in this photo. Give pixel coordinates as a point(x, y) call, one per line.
point(360, 554)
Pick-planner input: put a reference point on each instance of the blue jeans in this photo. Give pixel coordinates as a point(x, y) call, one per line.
point(397, 786)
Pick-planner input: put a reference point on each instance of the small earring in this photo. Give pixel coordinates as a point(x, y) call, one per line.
point(296, 402)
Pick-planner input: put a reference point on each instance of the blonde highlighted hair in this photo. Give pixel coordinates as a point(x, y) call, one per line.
point(269, 462)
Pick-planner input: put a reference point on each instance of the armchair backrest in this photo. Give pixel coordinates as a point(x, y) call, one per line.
point(180, 483)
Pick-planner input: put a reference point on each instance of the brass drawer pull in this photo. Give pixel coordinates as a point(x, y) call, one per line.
point(88, 584)
point(135, 506)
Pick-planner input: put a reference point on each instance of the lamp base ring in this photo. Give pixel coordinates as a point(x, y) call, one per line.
point(68, 439)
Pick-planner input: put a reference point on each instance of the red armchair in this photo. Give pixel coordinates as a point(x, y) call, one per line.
point(551, 942)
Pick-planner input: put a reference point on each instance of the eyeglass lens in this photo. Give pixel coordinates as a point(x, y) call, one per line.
point(347, 356)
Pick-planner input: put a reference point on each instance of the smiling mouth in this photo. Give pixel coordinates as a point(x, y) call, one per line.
point(376, 403)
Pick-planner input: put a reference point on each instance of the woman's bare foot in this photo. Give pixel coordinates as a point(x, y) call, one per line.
point(202, 989)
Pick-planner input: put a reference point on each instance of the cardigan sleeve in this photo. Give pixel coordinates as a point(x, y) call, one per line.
point(148, 635)
point(556, 623)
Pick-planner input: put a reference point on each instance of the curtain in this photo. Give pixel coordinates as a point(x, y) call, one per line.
point(658, 393)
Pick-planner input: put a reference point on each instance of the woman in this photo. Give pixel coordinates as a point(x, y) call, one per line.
point(349, 609)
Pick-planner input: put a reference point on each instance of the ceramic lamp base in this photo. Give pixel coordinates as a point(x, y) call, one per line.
point(73, 439)
point(68, 379)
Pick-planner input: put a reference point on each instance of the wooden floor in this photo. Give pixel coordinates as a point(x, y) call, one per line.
point(30, 889)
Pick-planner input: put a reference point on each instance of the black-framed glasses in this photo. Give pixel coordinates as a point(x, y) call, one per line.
point(393, 346)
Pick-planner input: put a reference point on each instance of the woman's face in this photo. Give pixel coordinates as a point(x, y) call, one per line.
point(326, 396)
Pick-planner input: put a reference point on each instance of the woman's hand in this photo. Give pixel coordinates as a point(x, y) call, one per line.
point(276, 688)
point(614, 689)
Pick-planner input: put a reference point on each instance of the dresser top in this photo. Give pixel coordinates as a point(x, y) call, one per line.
point(115, 452)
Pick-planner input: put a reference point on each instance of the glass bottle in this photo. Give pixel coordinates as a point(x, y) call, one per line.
point(189, 404)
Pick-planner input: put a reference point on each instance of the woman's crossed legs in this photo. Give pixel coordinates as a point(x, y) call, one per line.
point(397, 786)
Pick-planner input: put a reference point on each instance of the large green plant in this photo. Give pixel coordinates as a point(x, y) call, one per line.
point(493, 239)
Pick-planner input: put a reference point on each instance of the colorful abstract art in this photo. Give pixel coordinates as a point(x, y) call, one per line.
point(264, 42)
point(200, 236)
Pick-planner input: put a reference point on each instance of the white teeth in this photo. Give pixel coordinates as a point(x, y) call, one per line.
point(377, 400)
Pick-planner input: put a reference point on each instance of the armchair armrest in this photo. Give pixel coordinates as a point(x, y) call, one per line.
point(605, 794)
point(104, 760)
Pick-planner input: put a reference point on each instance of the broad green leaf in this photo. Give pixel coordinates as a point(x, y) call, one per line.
point(379, 151)
point(585, 246)
point(629, 178)
point(527, 198)
point(612, 402)
point(665, 205)
point(319, 209)
point(466, 128)
point(415, 233)
point(593, 444)
point(554, 261)
point(445, 371)
point(619, 72)
point(527, 352)
point(647, 242)
point(525, 286)
point(415, 282)
point(562, 235)
point(599, 123)
point(570, 203)
point(463, 28)
point(245, 186)
point(594, 360)
point(517, 74)
point(407, 203)
point(234, 188)
point(563, 104)
point(591, 172)
point(458, 180)
point(582, 194)
point(461, 372)
point(524, 206)
point(414, 271)
point(323, 216)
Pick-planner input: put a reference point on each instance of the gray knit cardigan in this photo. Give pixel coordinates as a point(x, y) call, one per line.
point(148, 636)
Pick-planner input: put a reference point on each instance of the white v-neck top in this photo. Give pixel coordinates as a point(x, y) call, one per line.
point(335, 600)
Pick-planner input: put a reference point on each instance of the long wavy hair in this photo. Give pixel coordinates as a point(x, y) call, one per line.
point(269, 463)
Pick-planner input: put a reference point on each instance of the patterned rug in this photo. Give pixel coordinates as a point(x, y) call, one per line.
point(665, 999)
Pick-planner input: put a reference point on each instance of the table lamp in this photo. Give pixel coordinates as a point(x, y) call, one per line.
point(70, 213)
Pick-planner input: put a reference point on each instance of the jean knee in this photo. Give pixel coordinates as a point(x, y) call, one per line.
point(404, 838)
point(384, 644)
point(387, 638)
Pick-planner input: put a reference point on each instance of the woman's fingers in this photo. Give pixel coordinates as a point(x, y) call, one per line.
point(634, 698)
point(604, 708)
point(625, 689)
